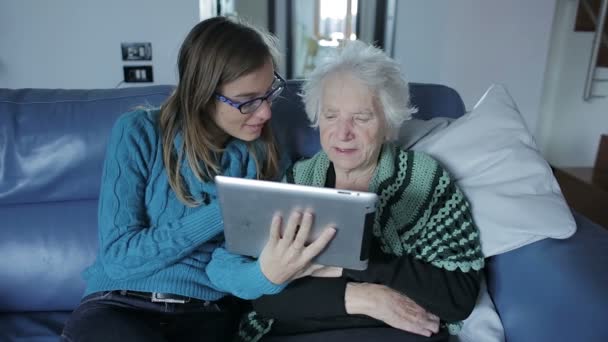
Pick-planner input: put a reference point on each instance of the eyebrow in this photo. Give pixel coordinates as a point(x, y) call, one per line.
point(248, 95)
point(360, 112)
point(254, 94)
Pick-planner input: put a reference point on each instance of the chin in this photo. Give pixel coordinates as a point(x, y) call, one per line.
point(344, 161)
point(248, 136)
point(345, 164)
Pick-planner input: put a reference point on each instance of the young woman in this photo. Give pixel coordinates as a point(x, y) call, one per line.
point(161, 272)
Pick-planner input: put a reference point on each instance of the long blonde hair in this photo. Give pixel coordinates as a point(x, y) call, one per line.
point(216, 51)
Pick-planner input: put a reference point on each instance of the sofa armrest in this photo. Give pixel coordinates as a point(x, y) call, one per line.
point(554, 290)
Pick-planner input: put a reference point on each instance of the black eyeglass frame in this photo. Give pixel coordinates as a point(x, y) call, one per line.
point(252, 105)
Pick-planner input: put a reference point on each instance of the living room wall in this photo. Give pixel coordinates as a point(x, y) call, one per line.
point(76, 43)
point(470, 44)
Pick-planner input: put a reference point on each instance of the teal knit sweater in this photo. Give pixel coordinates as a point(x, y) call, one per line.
point(148, 240)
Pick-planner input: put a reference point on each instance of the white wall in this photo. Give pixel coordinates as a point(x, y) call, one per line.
point(470, 44)
point(76, 43)
point(570, 127)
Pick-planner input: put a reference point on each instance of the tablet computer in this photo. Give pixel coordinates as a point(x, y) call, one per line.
point(248, 207)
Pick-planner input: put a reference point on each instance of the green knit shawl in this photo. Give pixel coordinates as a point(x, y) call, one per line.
point(421, 212)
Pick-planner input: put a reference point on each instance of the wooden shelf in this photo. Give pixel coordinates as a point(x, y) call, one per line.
point(586, 191)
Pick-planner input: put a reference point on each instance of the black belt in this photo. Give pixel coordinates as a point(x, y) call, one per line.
point(159, 297)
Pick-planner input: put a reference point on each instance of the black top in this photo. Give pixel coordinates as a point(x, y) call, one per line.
point(315, 304)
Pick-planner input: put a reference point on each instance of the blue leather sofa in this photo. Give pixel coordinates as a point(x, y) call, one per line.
point(52, 145)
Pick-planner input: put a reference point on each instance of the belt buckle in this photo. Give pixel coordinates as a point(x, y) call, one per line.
point(157, 299)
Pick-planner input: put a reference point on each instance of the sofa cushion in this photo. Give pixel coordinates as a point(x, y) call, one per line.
point(45, 247)
point(490, 153)
point(554, 290)
point(32, 326)
point(54, 140)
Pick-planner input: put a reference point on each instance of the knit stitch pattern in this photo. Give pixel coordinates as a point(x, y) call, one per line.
point(421, 212)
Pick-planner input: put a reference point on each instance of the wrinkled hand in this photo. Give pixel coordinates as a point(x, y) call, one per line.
point(286, 258)
point(391, 307)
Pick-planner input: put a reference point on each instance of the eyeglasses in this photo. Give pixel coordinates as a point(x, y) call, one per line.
point(252, 105)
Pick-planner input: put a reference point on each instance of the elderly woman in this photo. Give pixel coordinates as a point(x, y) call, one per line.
point(424, 269)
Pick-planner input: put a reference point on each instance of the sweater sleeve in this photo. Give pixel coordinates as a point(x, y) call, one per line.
point(239, 275)
point(305, 298)
point(451, 295)
point(129, 246)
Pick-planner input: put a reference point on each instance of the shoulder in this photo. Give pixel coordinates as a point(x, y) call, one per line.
point(135, 135)
point(304, 162)
point(425, 171)
point(140, 119)
point(309, 171)
point(320, 158)
point(238, 147)
point(137, 125)
point(420, 161)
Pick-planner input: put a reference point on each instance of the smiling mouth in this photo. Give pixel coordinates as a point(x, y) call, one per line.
point(345, 150)
point(255, 127)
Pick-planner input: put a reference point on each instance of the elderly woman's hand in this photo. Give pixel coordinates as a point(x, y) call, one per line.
point(391, 307)
point(288, 257)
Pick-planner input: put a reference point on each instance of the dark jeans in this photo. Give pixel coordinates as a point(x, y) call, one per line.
point(110, 316)
point(360, 335)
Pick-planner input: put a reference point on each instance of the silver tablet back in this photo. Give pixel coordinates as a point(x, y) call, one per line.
point(248, 206)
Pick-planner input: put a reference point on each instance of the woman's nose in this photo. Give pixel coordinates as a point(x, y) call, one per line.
point(264, 111)
point(345, 129)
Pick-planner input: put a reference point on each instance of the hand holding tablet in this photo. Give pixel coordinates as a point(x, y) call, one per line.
point(250, 206)
point(288, 257)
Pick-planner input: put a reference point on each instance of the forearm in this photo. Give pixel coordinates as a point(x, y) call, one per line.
point(239, 275)
point(130, 248)
point(358, 299)
point(451, 295)
point(305, 298)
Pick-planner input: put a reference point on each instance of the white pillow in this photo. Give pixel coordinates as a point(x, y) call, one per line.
point(514, 197)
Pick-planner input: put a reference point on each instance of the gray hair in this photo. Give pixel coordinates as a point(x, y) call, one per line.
point(375, 69)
